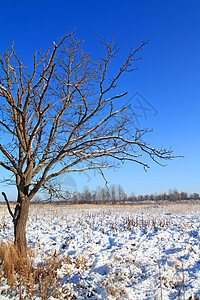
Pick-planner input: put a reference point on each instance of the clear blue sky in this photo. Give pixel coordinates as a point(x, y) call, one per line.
point(168, 79)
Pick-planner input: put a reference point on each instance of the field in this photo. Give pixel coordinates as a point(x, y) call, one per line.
point(108, 252)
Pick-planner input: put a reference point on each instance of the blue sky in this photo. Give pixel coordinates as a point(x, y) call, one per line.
point(167, 80)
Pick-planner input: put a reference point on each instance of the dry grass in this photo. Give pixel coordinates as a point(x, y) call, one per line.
point(24, 279)
point(13, 263)
point(47, 279)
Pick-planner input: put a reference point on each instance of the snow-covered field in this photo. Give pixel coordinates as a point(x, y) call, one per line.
point(120, 252)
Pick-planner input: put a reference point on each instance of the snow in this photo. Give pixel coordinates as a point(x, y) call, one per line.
point(120, 252)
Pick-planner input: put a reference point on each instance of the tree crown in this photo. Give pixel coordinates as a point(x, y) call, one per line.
point(61, 112)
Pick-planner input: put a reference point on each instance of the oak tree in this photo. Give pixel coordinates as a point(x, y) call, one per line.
point(61, 112)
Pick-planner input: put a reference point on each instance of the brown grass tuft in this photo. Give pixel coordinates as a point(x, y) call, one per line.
point(47, 278)
point(13, 263)
point(21, 275)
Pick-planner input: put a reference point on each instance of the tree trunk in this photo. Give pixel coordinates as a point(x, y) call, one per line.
point(20, 220)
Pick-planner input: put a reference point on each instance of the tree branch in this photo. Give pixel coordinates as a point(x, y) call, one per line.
point(8, 205)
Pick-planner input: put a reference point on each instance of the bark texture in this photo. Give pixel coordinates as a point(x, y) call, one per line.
point(20, 221)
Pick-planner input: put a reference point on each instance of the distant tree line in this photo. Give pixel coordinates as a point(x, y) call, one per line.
point(171, 196)
point(116, 195)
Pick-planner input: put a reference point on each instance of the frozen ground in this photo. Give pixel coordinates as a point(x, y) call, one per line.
point(128, 252)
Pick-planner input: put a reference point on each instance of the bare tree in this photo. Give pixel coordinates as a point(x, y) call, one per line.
point(121, 194)
point(113, 194)
point(86, 196)
point(61, 113)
